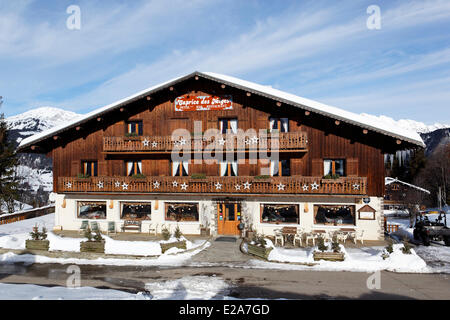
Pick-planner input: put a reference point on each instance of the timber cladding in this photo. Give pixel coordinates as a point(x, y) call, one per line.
point(362, 153)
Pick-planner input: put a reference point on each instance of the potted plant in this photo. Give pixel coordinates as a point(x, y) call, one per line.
point(198, 176)
point(131, 136)
point(94, 243)
point(181, 244)
point(38, 240)
point(258, 247)
point(325, 254)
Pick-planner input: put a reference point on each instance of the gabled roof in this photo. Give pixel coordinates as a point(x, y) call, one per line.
point(389, 180)
point(266, 91)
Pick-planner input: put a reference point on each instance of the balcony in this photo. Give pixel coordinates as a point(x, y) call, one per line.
point(215, 185)
point(288, 141)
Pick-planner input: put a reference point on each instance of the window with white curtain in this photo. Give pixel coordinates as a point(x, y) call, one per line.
point(228, 125)
point(228, 168)
point(180, 168)
point(280, 168)
point(279, 124)
point(133, 167)
point(333, 167)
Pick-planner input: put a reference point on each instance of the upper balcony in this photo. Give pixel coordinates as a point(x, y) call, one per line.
point(215, 185)
point(288, 141)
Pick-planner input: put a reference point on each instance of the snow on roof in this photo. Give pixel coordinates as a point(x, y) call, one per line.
point(307, 104)
point(389, 180)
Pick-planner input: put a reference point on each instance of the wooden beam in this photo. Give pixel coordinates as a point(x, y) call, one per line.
point(171, 88)
point(223, 86)
point(99, 119)
point(78, 128)
point(55, 137)
point(248, 94)
point(278, 104)
point(148, 98)
point(34, 147)
point(337, 122)
point(196, 77)
point(398, 141)
point(365, 131)
point(307, 113)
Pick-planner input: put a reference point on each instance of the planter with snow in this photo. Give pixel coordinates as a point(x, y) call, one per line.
point(92, 246)
point(37, 244)
point(258, 251)
point(176, 244)
point(330, 256)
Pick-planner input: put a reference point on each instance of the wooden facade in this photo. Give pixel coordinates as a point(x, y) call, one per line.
point(311, 139)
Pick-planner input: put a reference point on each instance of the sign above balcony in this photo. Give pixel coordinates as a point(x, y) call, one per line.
point(191, 102)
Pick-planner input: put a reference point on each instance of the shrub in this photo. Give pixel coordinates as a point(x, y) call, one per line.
point(165, 233)
point(198, 176)
point(389, 248)
point(88, 234)
point(138, 176)
point(178, 233)
point(98, 236)
point(36, 235)
point(321, 244)
point(131, 134)
point(335, 244)
point(406, 246)
point(83, 176)
point(262, 177)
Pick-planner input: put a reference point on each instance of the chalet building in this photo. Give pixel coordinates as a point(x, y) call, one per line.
point(211, 151)
point(400, 195)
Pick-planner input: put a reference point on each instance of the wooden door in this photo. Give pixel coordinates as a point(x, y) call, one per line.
point(228, 218)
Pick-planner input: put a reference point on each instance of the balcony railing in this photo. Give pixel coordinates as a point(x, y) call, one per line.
point(227, 142)
point(215, 185)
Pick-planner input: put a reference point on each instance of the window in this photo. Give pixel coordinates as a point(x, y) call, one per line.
point(228, 125)
point(180, 169)
point(333, 167)
point(182, 211)
point(92, 209)
point(90, 168)
point(133, 167)
point(228, 168)
point(135, 127)
point(280, 168)
point(280, 213)
point(136, 211)
point(334, 214)
point(280, 124)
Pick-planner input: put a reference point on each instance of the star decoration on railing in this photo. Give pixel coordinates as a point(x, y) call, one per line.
point(356, 186)
point(69, 185)
point(281, 186)
point(247, 141)
point(100, 185)
point(254, 140)
point(218, 185)
point(125, 186)
point(184, 186)
point(237, 187)
point(305, 187)
point(247, 185)
point(117, 184)
point(175, 183)
point(221, 141)
point(156, 185)
point(145, 142)
point(314, 186)
point(182, 142)
point(154, 144)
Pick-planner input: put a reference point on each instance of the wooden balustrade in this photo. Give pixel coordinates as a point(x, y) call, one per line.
point(282, 141)
point(208, 185)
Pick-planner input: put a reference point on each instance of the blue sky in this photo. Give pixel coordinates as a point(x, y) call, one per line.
point(320, 50)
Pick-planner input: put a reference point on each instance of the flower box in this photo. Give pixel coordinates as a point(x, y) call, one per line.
point(92, 246)
point(259, 251)
point(177, 244)
point(330, 256)
point(37, 244)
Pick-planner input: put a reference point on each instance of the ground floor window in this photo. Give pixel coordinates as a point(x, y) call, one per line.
point(334, 214)
point(136, 211)
point(92, 209)
point(280, 213)
point(182, 211)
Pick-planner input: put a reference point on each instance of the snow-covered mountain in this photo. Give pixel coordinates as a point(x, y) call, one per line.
point(408, 124)
point(36, 169)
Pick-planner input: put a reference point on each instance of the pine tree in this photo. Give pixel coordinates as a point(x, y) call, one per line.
point(8, 161)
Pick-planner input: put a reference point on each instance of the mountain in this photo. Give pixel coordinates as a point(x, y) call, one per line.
point(36, 169)
point(435, 138)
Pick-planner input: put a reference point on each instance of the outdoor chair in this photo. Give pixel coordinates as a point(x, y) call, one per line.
point(311, 236)
point(342, 236)
point(153, 228)
point(279, 236)
point(359, 236)
point(84, 226)
point(111, 227)
point(299, 237)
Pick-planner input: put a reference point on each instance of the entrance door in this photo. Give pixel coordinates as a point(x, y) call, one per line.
point(228, 218)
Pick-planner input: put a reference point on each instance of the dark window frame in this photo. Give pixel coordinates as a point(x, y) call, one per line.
point(262, 210)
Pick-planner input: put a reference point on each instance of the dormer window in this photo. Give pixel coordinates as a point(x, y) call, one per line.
point(135, 128)
point(280, 124)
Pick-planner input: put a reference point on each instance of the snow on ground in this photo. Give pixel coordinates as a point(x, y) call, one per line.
point(35, 292)
point(437, 256)
point(189, 288)
point(25, 226)
point(364, 259)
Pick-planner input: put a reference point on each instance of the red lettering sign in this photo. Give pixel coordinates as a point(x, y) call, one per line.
point(203, 103)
